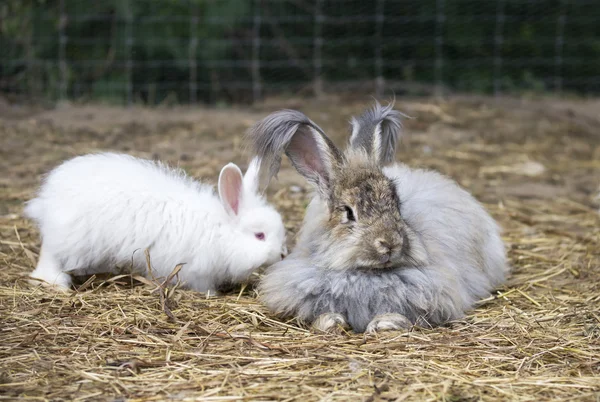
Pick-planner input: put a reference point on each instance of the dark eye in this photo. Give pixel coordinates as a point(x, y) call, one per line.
point(260, 236)
point(349, 214)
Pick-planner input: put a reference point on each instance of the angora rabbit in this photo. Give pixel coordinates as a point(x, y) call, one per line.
point(100, 211)
point(380, 247)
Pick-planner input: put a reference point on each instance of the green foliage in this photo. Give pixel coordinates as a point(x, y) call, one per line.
point(150, 50)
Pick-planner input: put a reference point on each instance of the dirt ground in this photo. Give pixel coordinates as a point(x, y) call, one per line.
point(534, 163)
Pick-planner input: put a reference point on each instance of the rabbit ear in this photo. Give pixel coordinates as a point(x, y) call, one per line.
point(311, 152)
point(230, 188)
point(377, 131)
point(252, 177)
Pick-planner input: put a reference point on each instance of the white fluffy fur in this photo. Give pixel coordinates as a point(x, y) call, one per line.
point(98, 212)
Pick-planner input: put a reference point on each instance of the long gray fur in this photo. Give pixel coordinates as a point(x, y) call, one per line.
point(464, 256)
point(270, 138)
point(365, 125)
point(465, 261)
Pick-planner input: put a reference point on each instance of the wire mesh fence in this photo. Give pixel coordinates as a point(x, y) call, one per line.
point(191, 51)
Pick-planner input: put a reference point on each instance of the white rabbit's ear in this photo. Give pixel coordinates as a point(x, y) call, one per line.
point(252, 176)
point(376, 131)
point(230, 188)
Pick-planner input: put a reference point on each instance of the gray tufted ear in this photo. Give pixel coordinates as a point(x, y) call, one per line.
point(377, 131)
point(311, 152)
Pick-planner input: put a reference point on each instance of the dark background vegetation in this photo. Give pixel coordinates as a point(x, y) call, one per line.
point(154, 51)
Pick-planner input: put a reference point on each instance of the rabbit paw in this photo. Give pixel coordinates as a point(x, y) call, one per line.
point(49, 274)
point(59, 285)
point(332, 323)
point(388, 322)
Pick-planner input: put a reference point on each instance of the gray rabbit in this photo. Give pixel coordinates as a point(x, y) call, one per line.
point(383, 246)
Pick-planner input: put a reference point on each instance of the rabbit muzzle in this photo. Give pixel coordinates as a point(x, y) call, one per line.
point(387, 250)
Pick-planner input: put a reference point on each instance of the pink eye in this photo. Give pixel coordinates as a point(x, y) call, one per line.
point(260, 236)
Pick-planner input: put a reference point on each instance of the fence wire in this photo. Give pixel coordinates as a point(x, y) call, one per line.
point(191, 51)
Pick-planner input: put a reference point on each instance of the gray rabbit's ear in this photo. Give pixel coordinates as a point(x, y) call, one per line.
point(311, 152)
point(376, 131)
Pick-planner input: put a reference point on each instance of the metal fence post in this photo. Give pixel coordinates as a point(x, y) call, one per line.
point(193, 44)
point(62, 50)
point(31, 73)
point(498, 43)
point(379, 80)
point(317, 51)
point(439, 42)
point(128, 52)
point(559, 44)
point(256, 80)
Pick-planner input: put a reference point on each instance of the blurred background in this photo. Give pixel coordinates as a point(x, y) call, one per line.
point(240, 51)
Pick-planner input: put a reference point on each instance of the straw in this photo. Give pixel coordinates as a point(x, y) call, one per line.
point(537, 338)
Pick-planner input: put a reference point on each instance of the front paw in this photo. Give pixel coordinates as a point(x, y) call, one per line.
point(388, 322)
point(60, 285)
point(331, 323)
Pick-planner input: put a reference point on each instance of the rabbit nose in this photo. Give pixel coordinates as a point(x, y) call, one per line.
point(382, 246)
point(385, 249)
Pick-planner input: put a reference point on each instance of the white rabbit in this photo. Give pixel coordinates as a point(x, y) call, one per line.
point(101, 211)
point(380, 247)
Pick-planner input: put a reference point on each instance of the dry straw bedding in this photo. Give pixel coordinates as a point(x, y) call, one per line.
point(534, 166)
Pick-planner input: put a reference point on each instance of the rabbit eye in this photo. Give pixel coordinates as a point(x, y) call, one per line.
point(349, 214)
point(260, 236)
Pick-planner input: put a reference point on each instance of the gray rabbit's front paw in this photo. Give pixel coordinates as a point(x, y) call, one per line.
point(331, 323)
point(388, 322)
